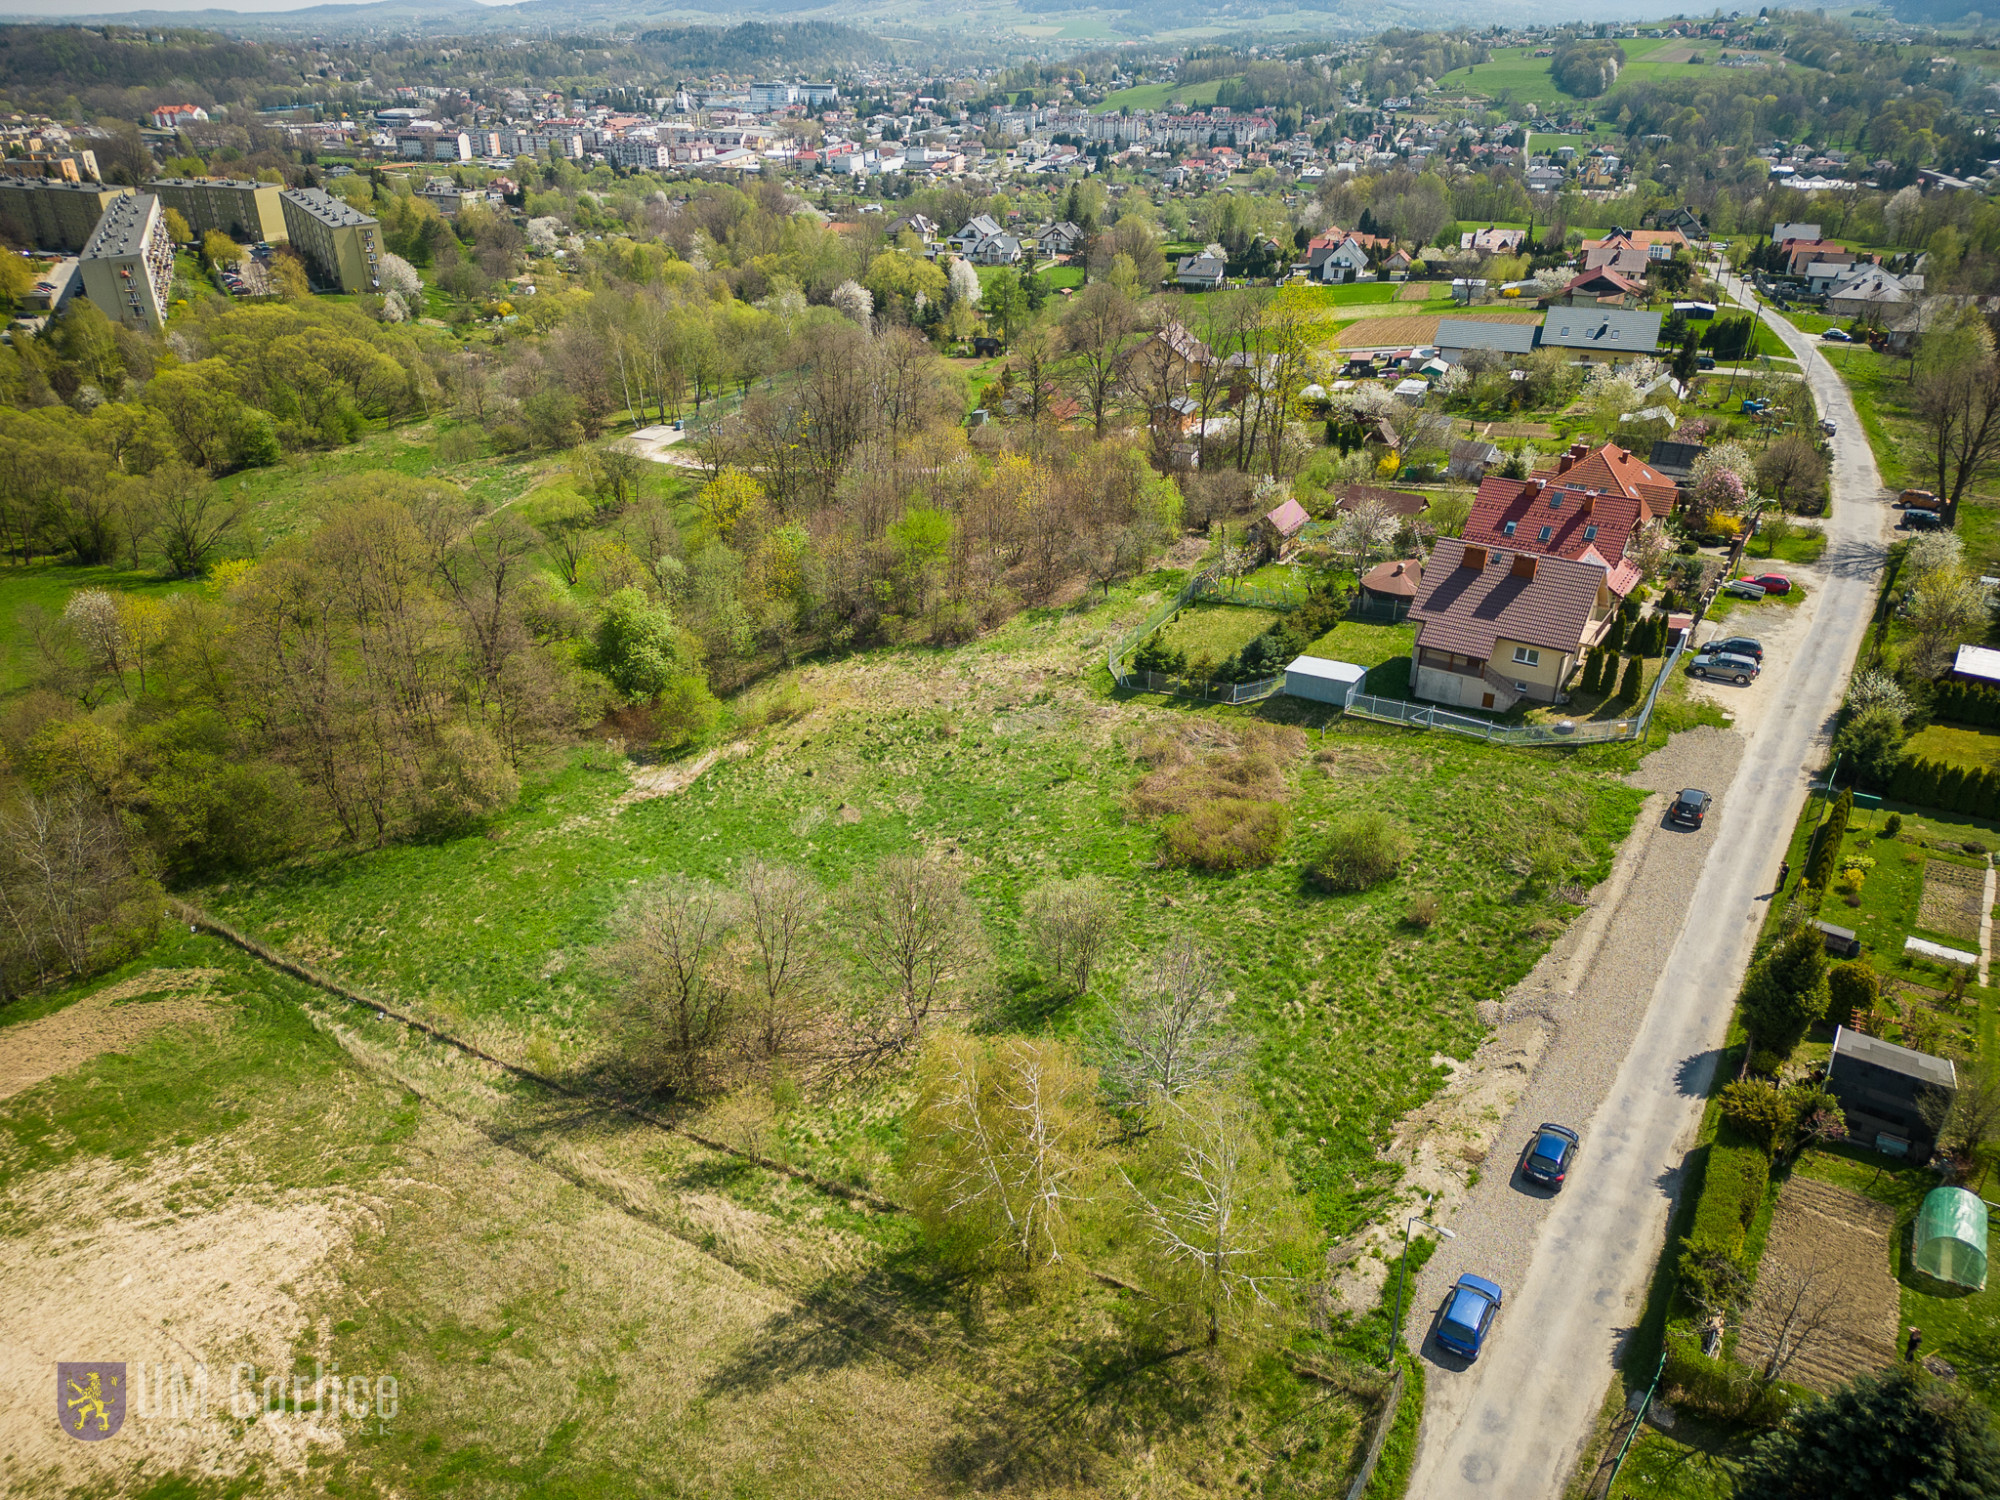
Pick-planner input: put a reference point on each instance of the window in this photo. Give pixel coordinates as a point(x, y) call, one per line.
point(1590, 533)
point(1556, 500)
point(1614, 335)
point(1565, 332)
point(1508, 529)
point(1545, 533)
point(1527, 656)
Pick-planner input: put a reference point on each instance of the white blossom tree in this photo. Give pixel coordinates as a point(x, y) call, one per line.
point(964, 282)
point(856, 302)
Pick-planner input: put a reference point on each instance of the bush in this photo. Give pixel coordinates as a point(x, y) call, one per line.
point(1358, 854)
point(1762, 1111)
point(1423, 913)
point(1854, 990)
point(1732, 1189)
point(1228, 833)
point(685, 712)
point(1892, 825)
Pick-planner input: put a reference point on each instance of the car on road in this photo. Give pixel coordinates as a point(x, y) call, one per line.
point(1837, 336)
point(1826, 426)
point(1743, 588)
point(1704, 361)
point(1737, 669)
point(1690, 807)
point(1734, 645)
point(1468, 1315)
point(1770, 583)
point(1548, 1160)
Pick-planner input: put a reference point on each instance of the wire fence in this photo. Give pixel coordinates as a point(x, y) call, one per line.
point(1564, 732)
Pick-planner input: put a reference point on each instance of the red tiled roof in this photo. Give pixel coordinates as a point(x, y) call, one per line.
point(1614, 468)
point(1576, 520)
point(1395, 502)
point(1288, 518)
point(1394, 580)
point(1599, 278)
point(1466, 609)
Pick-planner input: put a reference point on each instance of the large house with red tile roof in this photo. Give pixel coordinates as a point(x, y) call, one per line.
point(1496, 625)
point(1587, 509)
point(1614, 468)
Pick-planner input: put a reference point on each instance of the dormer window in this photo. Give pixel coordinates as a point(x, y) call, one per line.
point(1546, 533)
point(1508, 529)
point(1590, 533)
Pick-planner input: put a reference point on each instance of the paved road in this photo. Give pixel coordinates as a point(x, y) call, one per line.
point(1513, 1424)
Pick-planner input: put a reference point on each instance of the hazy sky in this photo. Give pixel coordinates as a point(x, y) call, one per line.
point(11, 10)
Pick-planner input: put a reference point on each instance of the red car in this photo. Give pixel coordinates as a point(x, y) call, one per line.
point(1770, 583)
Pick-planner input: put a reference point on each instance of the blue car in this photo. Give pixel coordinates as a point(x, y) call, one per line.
point(1468, 1312)
point(1549, 1158)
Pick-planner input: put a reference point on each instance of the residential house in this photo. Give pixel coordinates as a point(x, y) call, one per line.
point(1612, 468)
point(976, 232)
point(1673, 459)
point(1653, 244)
point(1491, 241)
point(1782, 232)
point(1459, 337)
point(997, 250)
point(1597, 287)
point(1397, 266)
point(1891, 1095)
point(1875, 293)
point(1613, 336)
point(1279, 530)
point(1201, 273)
point(1343, 262)
point(1496, 625)
point(1063, 238)
point(1976, 664)
point(1471, 458)
point(923, 227)
point(1627, 260)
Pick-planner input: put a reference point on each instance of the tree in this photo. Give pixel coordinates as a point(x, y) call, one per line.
point(1900, 1436)
point(1169, 1032)
point(638, 647)
point(1004, 302)
point(177, 227)
point(1799, 1295)
point(1363, 530)
point(916, 934)
point(856, 302)
point(964, 283)
point(1069, 924)
point(1214, 1206)
point(1095, 331)
point(1959, 408)
point(1001, 1146)
point(1633, 683)
point(1787, 989)
point(729, 499)
point(1871, 744)
point(666, 955)
point(191, 516)
point(1943, 610)
point(783, 967)
point(218, 249)
point(71, 900)
point(1792, 472)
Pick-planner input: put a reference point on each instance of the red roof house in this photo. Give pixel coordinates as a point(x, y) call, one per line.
point(1495, 625)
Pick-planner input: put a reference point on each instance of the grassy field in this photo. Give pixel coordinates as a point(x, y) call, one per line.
point(1514, 74)
point(1881, 392)
point(1363, 644)
point(1159, 95)
point(46, 587)
point(1217, 631)
point(1956, 745)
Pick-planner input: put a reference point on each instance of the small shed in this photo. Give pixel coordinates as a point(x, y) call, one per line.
point(1280, 529)
point(1323, 681)
point(1392, 585)
point(1412, 391)
point(1980, 664)
point(1950, 1241)
point(1891, 1095)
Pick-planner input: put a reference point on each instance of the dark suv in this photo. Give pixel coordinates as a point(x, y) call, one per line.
point(1690, 807)
point(1734, 645)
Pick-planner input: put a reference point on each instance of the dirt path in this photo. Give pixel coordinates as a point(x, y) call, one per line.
point(108, 1021)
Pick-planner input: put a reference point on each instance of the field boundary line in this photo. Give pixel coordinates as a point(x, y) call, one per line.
point(195, 917)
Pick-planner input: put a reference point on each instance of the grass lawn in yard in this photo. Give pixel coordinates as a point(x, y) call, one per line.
point(1979, 528)
point(1217, 631)
point(1956, 745)
point(1803, 546)
point(1697, 1461)
point(1881, 395)
point(1363, 644)
point(1356, 293)
point(1057, 277)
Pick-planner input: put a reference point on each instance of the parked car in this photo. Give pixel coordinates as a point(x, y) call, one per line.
point(1690, 807)
point(1469, 1311)
point(1704, 361)
point(1743, 588)
point(1827, 427)
point(1738, 669)
point(1921, 520)
point(1770, 583)
point(1836, 336)
point(1548, 1160)
point(1734, 645)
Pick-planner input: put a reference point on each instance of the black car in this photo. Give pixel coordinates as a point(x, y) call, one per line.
point(1736, 645)
point(1548, 1160)
point(1921, 520)
point(1704, 361)
point(1690, 807)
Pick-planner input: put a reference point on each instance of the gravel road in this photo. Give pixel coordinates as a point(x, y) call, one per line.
point(1638, 1034)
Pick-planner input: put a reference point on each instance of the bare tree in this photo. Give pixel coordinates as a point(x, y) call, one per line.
point(1792, 472)
point(1960, 411)
point(1169, 1034)
point(1213, 1204)
point(70, 895)
point(1002, 1144)
point(783, 969)
point(1069, 923)
point(1095, 332)
point(667, 954)
point(916, 934)
point(192, 516)
point(1799, 1299)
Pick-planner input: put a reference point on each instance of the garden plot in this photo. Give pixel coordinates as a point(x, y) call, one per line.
point(1825, 1304)
point(1398, 328)
point(1953, 900)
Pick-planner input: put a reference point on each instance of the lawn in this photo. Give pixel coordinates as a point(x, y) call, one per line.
point(1956, 745)
point(1803, 546)
point(1880, 390)
point(46, 587)
point(1512, 73)
point(1159, 95)
point(1355, 293)
point(1217, 631)
point(1363, 644)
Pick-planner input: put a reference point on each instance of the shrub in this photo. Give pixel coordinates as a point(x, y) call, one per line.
point(1787, 990)
point(686, 712)
point(1892, 825)
point(1423, 913)
point(1854, 989)
point(1228, 833)
point(1761, 1110)
point(1732, 1189)
point(1358, 854)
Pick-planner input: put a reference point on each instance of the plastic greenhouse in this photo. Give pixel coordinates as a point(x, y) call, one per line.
point(1951, 1237)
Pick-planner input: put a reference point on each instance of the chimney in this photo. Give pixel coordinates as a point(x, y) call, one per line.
point(1473, 557)
point(1534, 489)
point(1625, 454)
point(1563, 464)
point(1399, 571)
point(1524, 565)
point(1589, 501)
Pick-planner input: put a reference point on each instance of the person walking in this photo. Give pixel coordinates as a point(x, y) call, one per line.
point(1916, 1343)
point(1784, 874)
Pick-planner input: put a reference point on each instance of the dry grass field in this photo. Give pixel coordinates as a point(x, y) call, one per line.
point(1397, 328)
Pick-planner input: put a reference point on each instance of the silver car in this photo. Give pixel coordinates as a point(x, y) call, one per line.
point(1737, 669)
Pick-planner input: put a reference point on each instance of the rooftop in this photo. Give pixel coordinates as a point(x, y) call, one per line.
point(209, 182)
point(1904, 1060)
point(328, 209)
point(122, 230)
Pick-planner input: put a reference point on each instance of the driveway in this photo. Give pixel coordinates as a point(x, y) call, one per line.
point(1514, 1423)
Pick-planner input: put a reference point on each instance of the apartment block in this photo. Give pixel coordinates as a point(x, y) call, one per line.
point(38, 214)
point(338, 242)
point(248, 212)
point(128, 263)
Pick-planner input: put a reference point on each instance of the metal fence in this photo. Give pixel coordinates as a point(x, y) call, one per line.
point(1201, 586)
point(1567, 732)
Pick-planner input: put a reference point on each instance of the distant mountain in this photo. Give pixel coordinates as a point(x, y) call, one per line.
point(370, 14)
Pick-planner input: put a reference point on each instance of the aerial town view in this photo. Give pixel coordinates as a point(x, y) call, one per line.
point(1015, 748)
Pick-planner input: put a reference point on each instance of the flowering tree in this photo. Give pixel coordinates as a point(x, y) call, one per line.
point(856, 301)
point(964, 282)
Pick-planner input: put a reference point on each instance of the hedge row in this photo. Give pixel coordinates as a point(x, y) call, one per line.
point(1721, 1387)
point(1732, 1190)
point(1930, 783)
point(1966, 703)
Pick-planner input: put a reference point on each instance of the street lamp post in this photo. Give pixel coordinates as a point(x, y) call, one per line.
point(1403, 1277)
